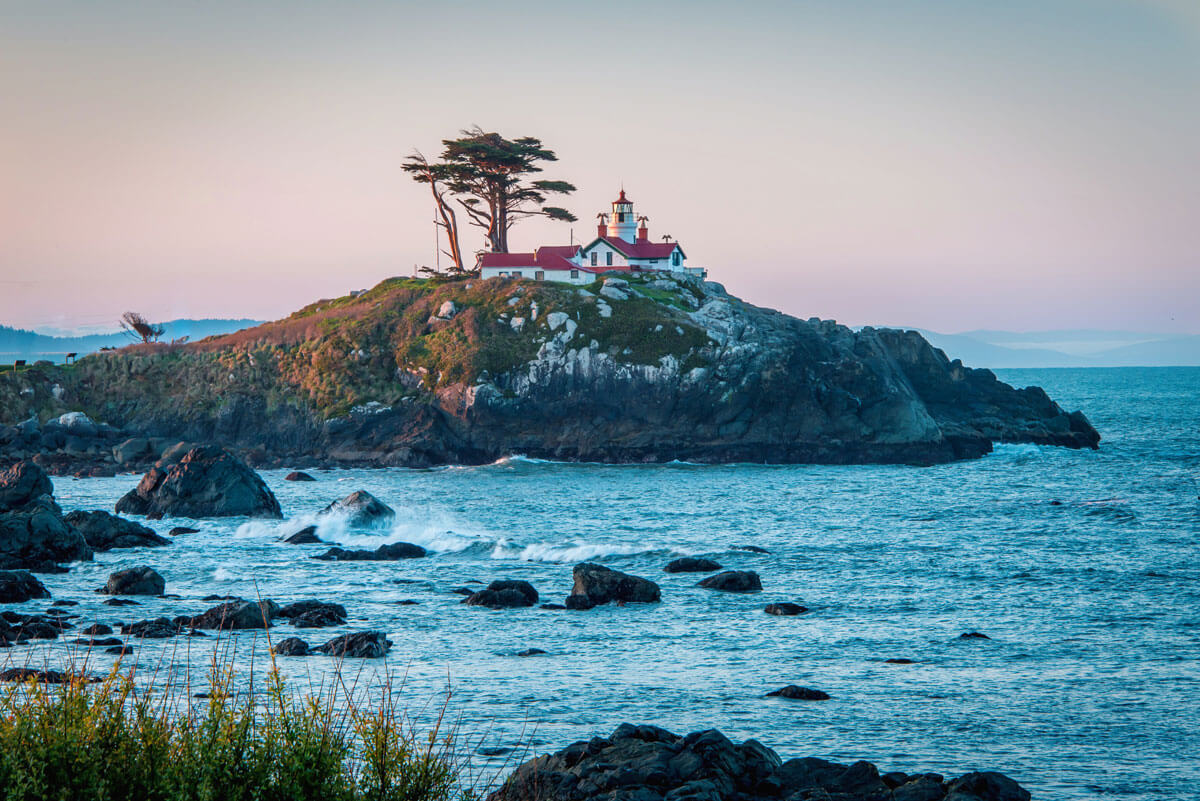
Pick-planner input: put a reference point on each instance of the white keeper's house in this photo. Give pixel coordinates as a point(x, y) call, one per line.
point(622, 243)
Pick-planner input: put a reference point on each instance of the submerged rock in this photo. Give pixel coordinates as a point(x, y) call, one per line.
point(596, 585)
point(504, 594)
point(647, 763)
point(361, 509)
point(104, 531)
point(692, 564)
point(733, 581)
point(796, 693)
point(785, 608)
point(140, 580)
point(175, 532)
point(358, 645)
point(202, 481)
point(298, 476)
point(384, 553)
point(18, 586)
point(973, 635)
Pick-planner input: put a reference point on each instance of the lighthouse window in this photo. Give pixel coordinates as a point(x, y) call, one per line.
point(608, 258)
point(621, 217)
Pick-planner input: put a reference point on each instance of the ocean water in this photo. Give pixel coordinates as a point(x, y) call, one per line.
point(1082, 567)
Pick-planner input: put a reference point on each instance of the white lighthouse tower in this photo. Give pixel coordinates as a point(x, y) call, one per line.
point(622, 224)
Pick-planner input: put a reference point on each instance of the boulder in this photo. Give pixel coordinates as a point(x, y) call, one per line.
point(358, 645)
point(305, 536)
point(797, 693)
point(35, 537)
point(692, 564)
point(986, 786)
point(504, 594)
point(361, 509)
point(313, 614)
point(733, 581)
point(42, 676)
point(159, 628)
point(384, 553)
point(131, 450)
point(140, 580)
point(596, 585)
point(204, 481)
point(233, 615)
point(785, 608)
point(298, 476)
point(18, 586)
point(178, 530)
point(22, 484)
point(96, 630)
point(291, 646)
point(104, 531)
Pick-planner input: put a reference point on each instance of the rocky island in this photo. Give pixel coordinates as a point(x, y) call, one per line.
point(632, 368)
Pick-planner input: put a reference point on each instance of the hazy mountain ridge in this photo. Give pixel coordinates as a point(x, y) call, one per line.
point(1068, 348)
point(20, 343)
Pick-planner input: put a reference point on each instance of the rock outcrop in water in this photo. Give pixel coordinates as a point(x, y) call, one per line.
point(104, 531)
point(672, 369)
point(33, 534)
point(646, 763)
point(202, 481)
point(596, 585)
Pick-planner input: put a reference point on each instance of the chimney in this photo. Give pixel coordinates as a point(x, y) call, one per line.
point(643, 234)
point(602, 229)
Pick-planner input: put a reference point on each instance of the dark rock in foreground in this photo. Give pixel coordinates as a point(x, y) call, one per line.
point(596, 585)
point(794, 692)
point(733, 581)
point(305, 536)
point(692, 564)
point(291, 646)
point(235, 615)
point(42, 676)
point(384, 553)
point(203, 481)
point(22, 484)
point(104, 531)
point(358, 645)
point(18, 586)
point(646, 763)
point(361, 509)
point(785, 608)
point(313, 614)
point(33, 534)
point(504, 594)
point(135, 581)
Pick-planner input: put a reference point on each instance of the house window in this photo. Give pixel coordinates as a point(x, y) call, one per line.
point(593, 259)
point(675, 259)
point(608, 258)
point(574, 273)
point(540, 275)
point(516, 273)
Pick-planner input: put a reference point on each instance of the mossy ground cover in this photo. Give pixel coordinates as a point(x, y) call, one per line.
point(381, 345)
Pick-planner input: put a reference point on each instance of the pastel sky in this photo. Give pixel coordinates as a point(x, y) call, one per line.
point(951, 164)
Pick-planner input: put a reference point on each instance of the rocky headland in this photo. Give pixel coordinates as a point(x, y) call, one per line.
point(628, 369)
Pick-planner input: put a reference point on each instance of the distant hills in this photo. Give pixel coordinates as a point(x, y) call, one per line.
point(16, 343)
point(1072, 348)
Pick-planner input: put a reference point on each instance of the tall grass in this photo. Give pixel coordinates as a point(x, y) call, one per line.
point(153, 741)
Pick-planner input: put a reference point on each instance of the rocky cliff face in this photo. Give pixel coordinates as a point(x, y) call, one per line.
point(626, 370)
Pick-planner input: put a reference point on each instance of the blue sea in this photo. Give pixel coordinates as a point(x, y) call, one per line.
point(1082, 567)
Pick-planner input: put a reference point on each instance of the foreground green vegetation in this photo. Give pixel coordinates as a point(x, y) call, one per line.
point(120, 739)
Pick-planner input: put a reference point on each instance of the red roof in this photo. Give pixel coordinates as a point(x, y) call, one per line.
point(639, 250)
point(547, 257)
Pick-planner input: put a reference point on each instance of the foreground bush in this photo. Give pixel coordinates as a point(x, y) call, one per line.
point(117, 740)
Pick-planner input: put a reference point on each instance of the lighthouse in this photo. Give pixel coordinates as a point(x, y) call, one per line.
point(622, 224)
